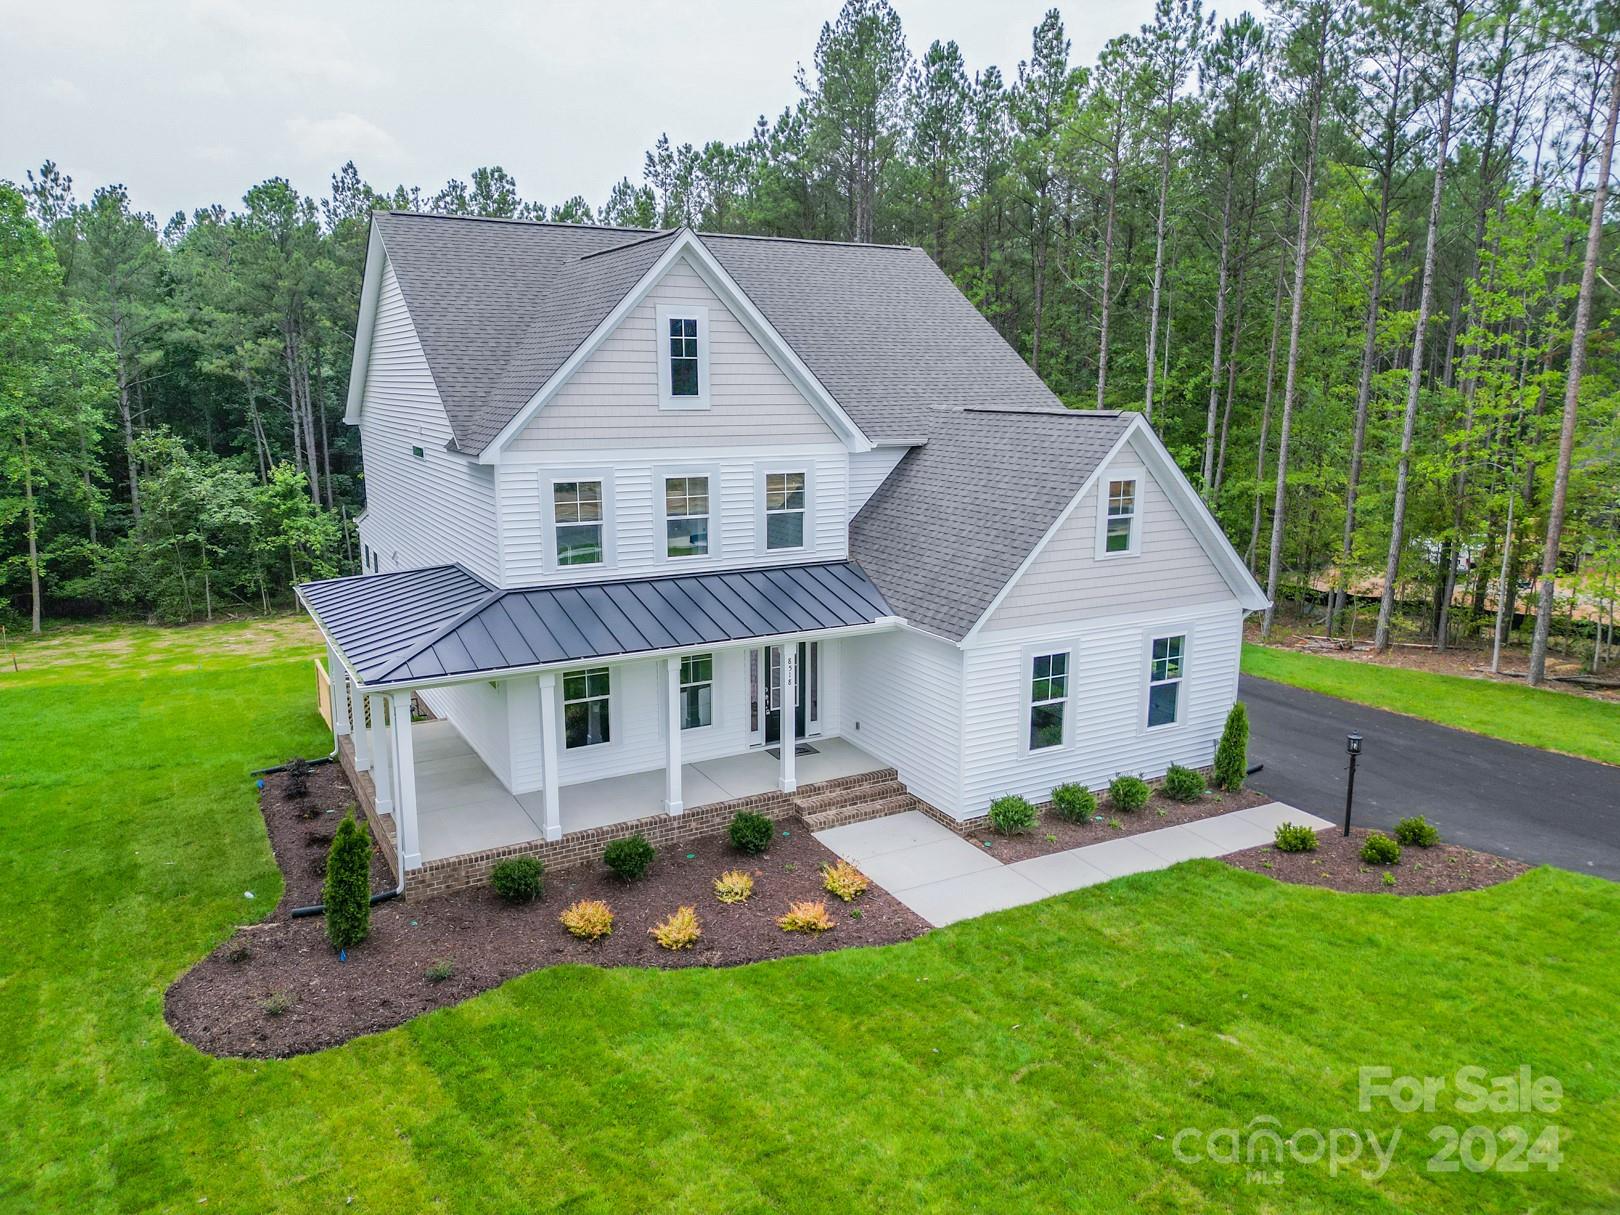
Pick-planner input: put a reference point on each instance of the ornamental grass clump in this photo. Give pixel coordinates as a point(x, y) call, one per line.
point(844, 880)
point(1417, 831)
point(1011, 814)
point(346, 893)
point(1379, 849)
point(733, 886)
point(1232, 753)
point(1183, 784)
point(679, 930)
point(588, 919)
point(1128, 793)
point(1076, 803)
point(1291, 837)
point(805, 917)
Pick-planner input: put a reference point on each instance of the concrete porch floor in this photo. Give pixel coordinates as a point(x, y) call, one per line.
point(461, 807)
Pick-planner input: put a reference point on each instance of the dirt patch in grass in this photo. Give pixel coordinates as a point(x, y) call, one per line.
point(278, 989)
point(1337, 865)
point(1054, 834)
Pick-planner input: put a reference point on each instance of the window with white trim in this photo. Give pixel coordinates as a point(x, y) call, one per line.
point(1166, 666)
point(697, 691)
point(587, 700)
point(683, 356)
point(784, 509)
point(682, 334)
point(1120, 533)
point(576, 512)
point(686, 516)
point(1048, 699)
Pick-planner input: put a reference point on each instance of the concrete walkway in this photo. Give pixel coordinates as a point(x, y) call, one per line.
point(945, 878)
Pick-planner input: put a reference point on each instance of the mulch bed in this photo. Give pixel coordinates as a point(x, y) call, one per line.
point(301, 830)
point(220, 1005)
point(1337, 865)
point(1054, 834)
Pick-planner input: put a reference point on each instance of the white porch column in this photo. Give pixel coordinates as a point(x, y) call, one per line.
point(362, 733)
point(337, 676)
point(672, 736)
point(552, 810)
point(382, 754)
point(786, 740)
point(399, 717)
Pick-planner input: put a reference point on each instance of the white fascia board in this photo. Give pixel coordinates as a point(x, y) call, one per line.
point(721, 283)
point(370, 290)
point(1174, 482)
point(882, 624)
point(1040, 545)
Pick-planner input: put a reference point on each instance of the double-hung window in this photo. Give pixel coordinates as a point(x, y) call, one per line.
point(1048, 698)
point(686, 516)
point(784, 510)
point(1166, 667)
point(1120, 533)
point(683, 356)
point(697, 691)
point(586, 701)
point(576, 508)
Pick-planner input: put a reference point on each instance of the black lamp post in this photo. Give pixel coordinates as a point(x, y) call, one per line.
point(1352, 744)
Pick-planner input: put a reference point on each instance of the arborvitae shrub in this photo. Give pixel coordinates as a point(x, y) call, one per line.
point(346, 892)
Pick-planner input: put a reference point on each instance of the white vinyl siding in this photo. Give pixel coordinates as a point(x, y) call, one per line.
point(613, 399)
point(1107, 690)
point(1068, 581)
point(636, 514)
point(479, 713)
point(422, 510)
point(902, 703)
point(868, 470)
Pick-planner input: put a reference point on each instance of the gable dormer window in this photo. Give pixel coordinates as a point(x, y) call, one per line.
point(683, 357)
point(1118, 525)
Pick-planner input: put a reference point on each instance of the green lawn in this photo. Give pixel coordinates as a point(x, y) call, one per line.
point(1537, 717)
point(1039, 1060)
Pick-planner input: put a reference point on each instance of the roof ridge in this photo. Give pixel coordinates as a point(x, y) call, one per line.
point(510, 219)
point(659, 234)
point(1062, 411)
point(808, 240)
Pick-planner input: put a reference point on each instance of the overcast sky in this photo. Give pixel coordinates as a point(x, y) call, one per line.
point(190, 102)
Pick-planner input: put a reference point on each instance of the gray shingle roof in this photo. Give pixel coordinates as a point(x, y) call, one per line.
point(499, 305)
point(957, 517)
point(378, 621)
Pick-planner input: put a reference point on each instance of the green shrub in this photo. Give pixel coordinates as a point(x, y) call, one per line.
point(1128, 792)
point(1232, 755)
point(1011, 814)
point(1291, 837)
point(1183, 784)
point(347, 889)
point(1379, 849)
point(296, 773)
point(1076, 803)
point(517, 879)
point(1417, 831)
point(751, 832)
point(628, 857)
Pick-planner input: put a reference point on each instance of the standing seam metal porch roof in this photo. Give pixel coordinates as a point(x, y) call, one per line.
point(420, 625)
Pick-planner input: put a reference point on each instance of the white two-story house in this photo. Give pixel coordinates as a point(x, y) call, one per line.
point(641, 506)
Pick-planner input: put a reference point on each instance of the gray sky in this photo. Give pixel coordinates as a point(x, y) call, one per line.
point(192, 101)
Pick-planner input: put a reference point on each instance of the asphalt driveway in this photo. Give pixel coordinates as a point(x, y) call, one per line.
point(1517, 801)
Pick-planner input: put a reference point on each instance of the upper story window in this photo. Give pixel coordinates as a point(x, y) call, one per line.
point(697, 691)
point(683, 357)
point(577, 517)
point(686, 516)
point(586, 707)
point(784, 509)
point(1048, 697)
point(1119, 523)
point(1165, 668)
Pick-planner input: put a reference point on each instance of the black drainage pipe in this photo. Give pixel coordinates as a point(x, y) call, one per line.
point(300, 913)
point(1256, 768)
point(313, 763)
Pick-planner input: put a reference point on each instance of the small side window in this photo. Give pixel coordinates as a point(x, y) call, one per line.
point(1165, 669)
point(1120, 536)
point(1048, 697)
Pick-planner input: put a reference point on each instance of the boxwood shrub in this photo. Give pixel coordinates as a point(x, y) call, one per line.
point(1011, 814)
point(1417, 831)
point(1183, 784)
point(517, 879)
point(1292, 837)
point(1128, 792)
point(751, 832)
point(628, 857)
point(1379, 849)
point(1076, 803)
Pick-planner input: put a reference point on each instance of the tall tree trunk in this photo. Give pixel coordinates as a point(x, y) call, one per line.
point(1158, 252)
point(1220, 337)
point(1572, 394)
point(1107, 285)
point(1291, 371)
point(32, 520)
point(1231, 385)
point(1265, 411)
point(1403, 468)
point(126, 418)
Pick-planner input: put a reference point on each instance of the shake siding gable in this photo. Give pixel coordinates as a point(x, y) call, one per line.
point(1068, 581)
point(612, 400)
point(432, 509)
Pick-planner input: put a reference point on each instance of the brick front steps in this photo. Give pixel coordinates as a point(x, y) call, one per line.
point(854, 800)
